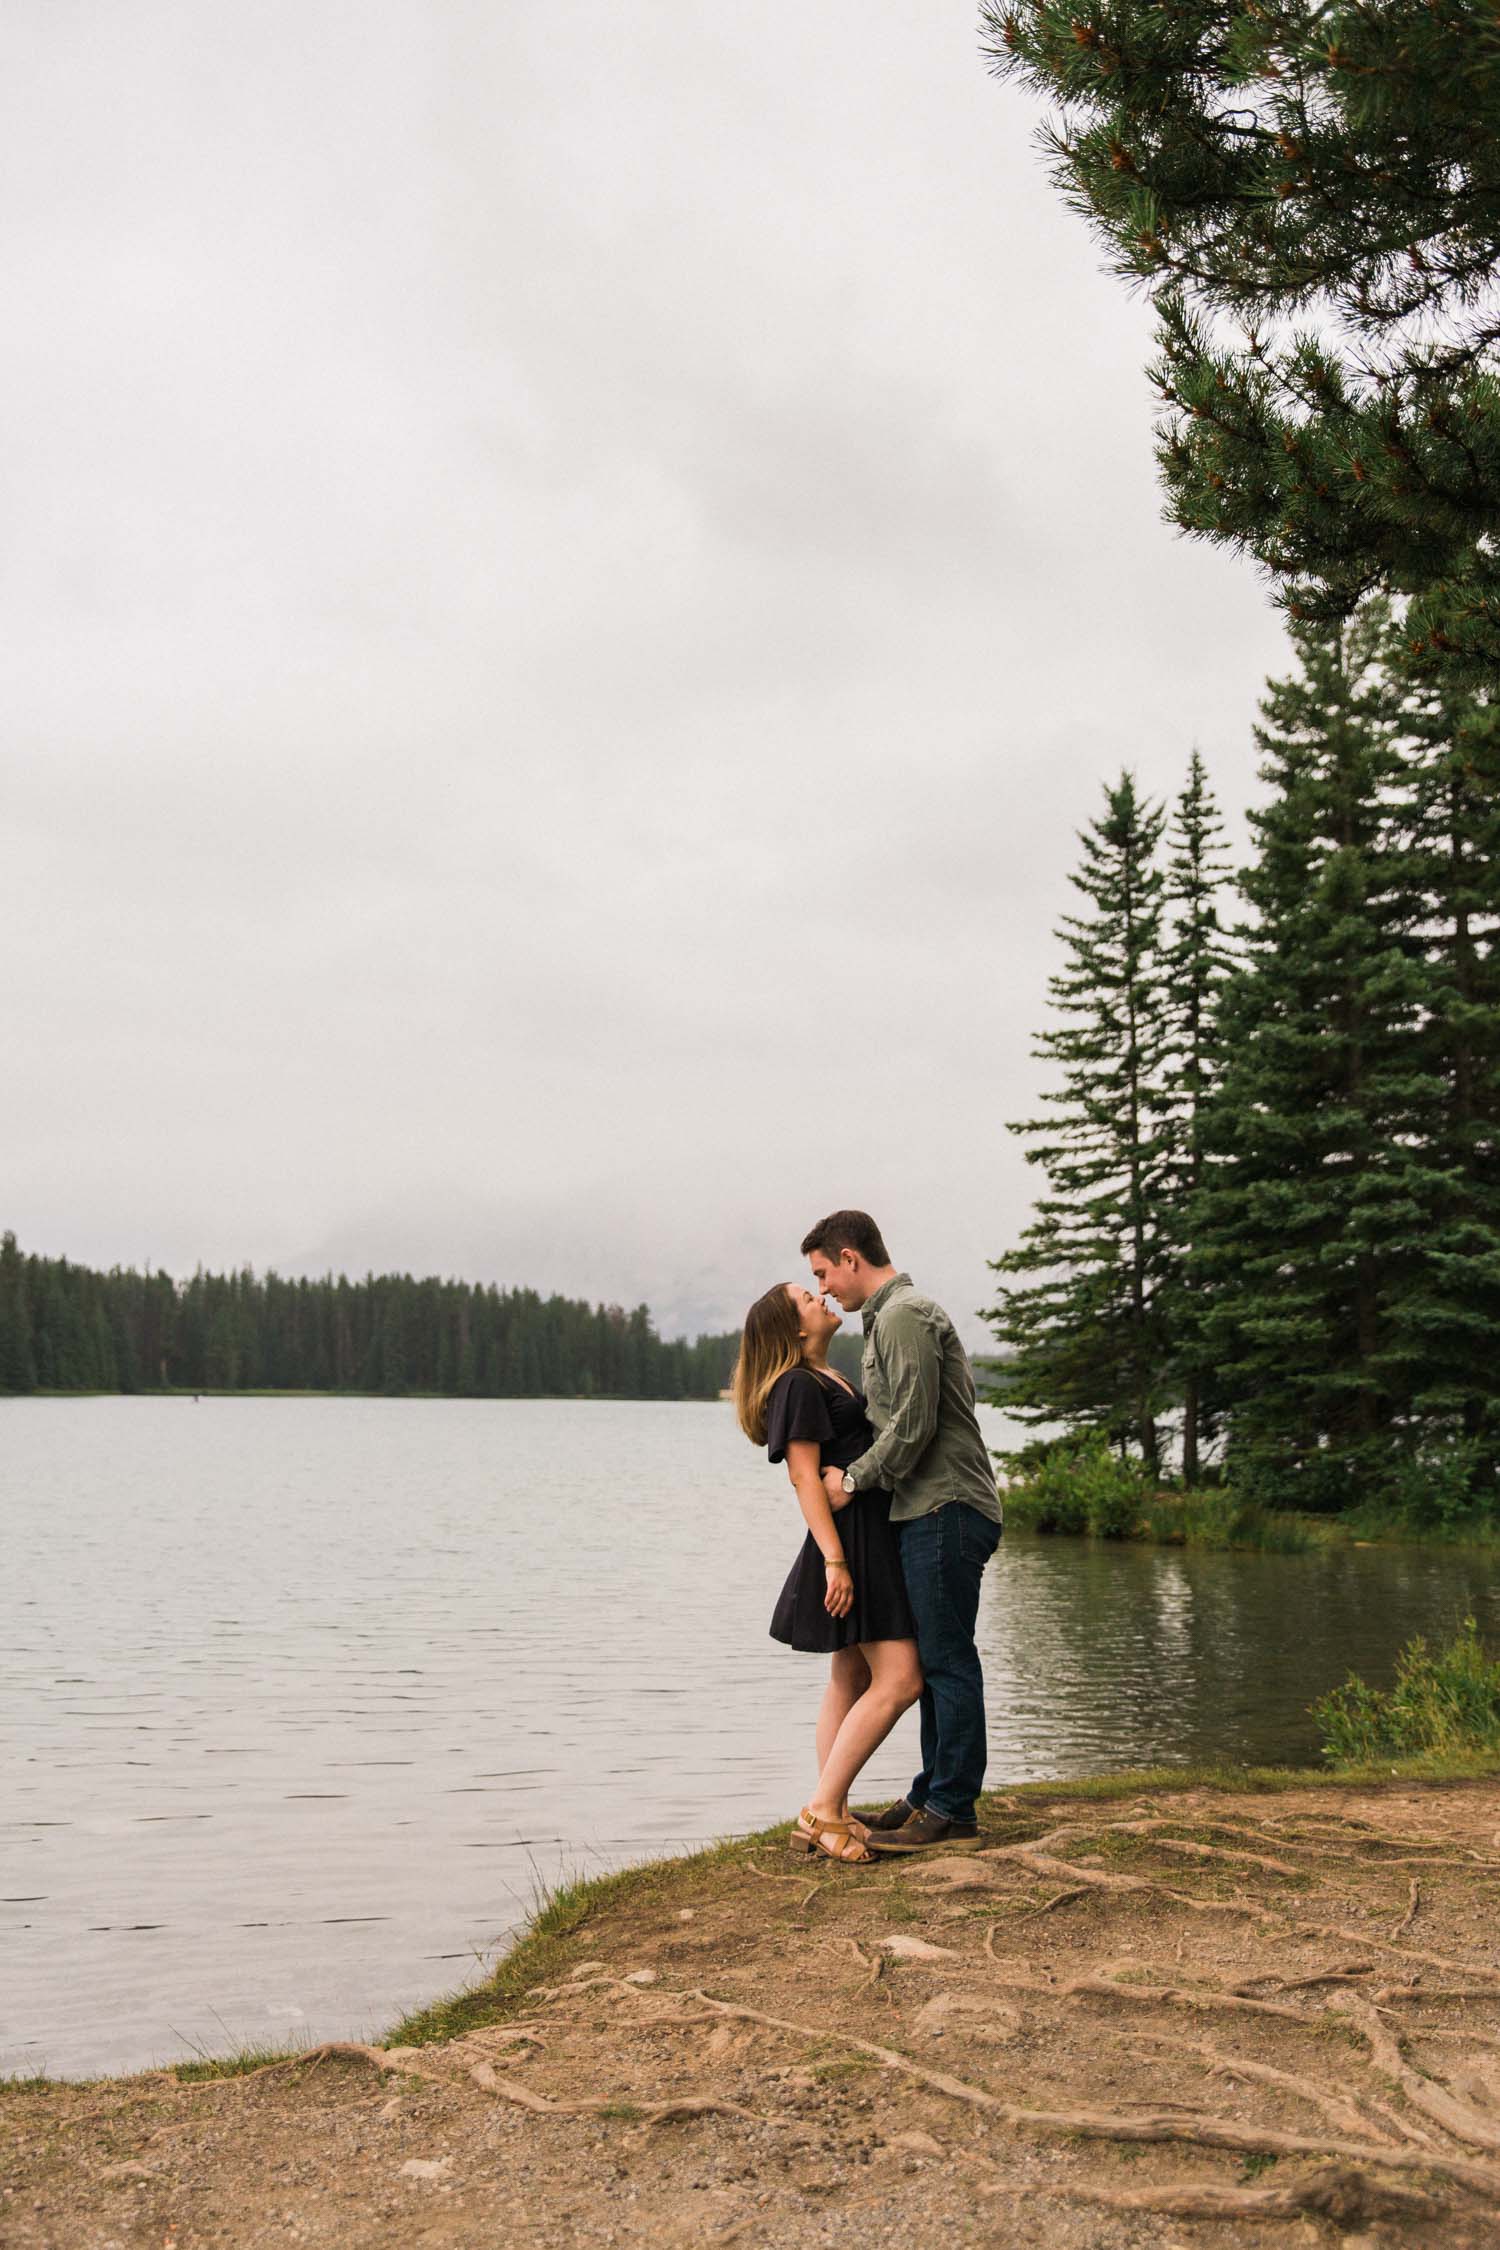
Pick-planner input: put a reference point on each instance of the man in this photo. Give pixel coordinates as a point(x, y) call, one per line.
point(930, 1455)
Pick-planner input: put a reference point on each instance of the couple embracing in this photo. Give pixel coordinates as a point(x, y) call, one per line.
point(898, 1495)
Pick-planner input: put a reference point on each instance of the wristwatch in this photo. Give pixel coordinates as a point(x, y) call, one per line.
point(849, 1483)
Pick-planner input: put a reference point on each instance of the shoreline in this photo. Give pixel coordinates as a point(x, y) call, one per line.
point(403, 1398)
point(566, 1907)
point(1173, 1521)
point(1222, 1997)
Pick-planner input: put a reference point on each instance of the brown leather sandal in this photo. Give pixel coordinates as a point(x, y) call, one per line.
point(846, 1832)
point(802, 1842)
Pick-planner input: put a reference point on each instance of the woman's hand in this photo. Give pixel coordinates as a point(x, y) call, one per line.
point(838, 1594)
point(804, 1467)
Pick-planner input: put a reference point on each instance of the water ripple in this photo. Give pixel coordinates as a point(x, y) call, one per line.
point(276, 1591)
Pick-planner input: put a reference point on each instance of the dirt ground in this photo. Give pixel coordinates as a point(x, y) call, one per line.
point(1201, 2017)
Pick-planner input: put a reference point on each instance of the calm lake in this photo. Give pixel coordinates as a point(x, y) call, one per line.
point(304, 1699)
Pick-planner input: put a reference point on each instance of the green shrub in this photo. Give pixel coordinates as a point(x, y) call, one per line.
point(1444, 1700)
point(1447, 1484)
point(1075, 1485)
point(1220, 1516)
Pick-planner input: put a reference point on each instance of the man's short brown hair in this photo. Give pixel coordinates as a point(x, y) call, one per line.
point(847, 1230)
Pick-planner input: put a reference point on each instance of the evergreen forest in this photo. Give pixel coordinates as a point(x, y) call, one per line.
point(64, 1327)
point(1268, 1247)
point(1267, 1251)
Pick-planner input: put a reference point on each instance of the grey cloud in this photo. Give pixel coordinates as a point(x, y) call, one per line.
point(569, 576)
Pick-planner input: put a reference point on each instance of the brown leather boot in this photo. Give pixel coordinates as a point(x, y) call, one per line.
point(894, 1816)
point(924, 1832)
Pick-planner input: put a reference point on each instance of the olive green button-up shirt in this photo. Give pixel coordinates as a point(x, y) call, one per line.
point(919, 1393)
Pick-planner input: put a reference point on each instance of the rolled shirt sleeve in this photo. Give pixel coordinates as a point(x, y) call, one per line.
point(914, 1375)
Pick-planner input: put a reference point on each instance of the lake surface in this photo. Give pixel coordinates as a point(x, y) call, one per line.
point(302, 1699)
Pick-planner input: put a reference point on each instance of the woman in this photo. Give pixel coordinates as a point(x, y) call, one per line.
point(846, 1595)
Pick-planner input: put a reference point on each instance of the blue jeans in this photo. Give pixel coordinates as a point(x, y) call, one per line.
point(942, 1560)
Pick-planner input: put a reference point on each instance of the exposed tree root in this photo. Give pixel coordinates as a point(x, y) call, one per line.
point(1342, 1822)
point(1471, 1969)
point(526, 2097)
point(1387, 1995)
point(1340, 2114)
point(1062, 1870)
point(1160, 2124)
point(697, 2105)
point(1098, 1879)
point(1404, 2127)
point(1410, 1915)
point(874, 1970)
point(1449, 2031)
point(401, 2060)
point(1350, 1973)
point(1193, 1850)
point(1058, 1898)
point(1474, 1866)
point(1333, 2191)
point(661, 2113)
point(1197, 1999)
point(1426, 2094)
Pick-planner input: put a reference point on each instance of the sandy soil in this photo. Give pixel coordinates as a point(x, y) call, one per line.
point(1187, 2018)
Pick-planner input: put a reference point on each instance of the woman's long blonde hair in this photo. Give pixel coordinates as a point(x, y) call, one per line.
point(770, 1345)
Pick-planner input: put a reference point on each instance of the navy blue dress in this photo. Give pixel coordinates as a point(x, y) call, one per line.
point(815, 1407)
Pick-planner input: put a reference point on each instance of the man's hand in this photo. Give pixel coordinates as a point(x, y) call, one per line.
point(833, 1485)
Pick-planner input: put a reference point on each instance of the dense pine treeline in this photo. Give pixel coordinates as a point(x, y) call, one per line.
point(1271, 1244)
point(64, 1327)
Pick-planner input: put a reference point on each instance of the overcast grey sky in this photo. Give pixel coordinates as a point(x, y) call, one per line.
point(569, 574)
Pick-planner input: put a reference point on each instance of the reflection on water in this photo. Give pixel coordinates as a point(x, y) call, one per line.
point(304, 1699)
point(1100, 1655)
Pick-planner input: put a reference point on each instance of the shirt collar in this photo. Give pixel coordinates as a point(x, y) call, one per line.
point(872, 1305)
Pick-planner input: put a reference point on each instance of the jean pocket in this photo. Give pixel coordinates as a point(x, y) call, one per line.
point(978, 1536)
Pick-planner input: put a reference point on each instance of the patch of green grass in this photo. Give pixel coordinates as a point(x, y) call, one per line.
point(237, 2065)
point(997, 1811)
point(1218, 1518)
point(1380, 1524)
point(1255, 2163)
point(1332, 2025)
point(831, 2059)
point(1214, 1519)
point(539, 1954)
point(1445, 1703)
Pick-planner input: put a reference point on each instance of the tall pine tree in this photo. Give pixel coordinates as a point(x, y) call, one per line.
point(1196, 960)
point(17, 1361)
point(1312, 195)
point(1078, 1298)
point(1317, 1188)
point(1448, 1316)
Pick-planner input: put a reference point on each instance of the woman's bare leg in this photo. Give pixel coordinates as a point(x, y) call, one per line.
point(847, 1682)
point(895, 1684)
